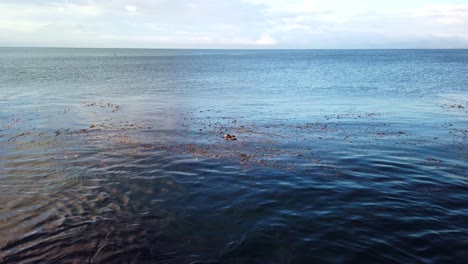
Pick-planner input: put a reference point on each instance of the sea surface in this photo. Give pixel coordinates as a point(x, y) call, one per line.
point(341, 156)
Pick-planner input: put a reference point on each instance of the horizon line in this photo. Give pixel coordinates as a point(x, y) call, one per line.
point(237, 48)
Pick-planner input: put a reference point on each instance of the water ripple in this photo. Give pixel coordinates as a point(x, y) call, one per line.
point(110, 167)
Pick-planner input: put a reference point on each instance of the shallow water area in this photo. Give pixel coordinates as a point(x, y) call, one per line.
point(118, 156)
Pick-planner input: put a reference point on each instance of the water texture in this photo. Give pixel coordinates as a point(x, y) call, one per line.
point(341, 156)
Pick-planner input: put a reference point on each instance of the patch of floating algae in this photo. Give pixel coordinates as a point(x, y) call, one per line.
point(224, 135)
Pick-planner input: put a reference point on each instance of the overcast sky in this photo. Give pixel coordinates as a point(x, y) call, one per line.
point(235, 23)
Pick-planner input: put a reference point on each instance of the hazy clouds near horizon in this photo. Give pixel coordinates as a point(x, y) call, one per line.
point(235, 23)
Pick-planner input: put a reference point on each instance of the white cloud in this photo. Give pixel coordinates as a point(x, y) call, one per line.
point(444, 13)
point(19, 26)
point(61, 27)
point(233, 23)
point(288, 6)
point(131, 8)
point(265, 40)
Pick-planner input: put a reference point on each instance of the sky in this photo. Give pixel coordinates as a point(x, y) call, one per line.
point(262, 24)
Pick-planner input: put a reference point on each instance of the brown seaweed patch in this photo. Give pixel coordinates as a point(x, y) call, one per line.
point(456, 107)
point(12, 123)
point(352, 115)
point(458, 132)
point(113, 106)
point(20, 135)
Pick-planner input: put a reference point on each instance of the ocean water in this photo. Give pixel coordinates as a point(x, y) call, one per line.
point(342, 156)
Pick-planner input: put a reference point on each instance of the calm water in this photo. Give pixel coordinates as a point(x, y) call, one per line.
point(342, 156)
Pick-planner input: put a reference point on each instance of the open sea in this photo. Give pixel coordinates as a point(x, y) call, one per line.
point(340, 156)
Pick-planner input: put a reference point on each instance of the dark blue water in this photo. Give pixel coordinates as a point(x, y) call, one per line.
point(342, 156)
